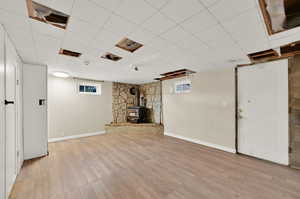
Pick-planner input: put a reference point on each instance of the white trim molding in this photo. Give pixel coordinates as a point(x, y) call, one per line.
point(75, 136)
point(216, 146)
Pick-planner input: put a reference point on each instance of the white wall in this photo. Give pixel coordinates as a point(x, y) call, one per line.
point(205, 115)
point(72, 114)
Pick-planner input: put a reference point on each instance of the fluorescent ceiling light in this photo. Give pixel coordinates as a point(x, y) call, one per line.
point(61, 74)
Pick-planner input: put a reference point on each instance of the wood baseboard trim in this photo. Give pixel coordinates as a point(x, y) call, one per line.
point(75, 136)
point(223, 148)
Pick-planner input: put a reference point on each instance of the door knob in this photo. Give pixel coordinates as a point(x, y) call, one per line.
point(41, 102)
point(8, 102)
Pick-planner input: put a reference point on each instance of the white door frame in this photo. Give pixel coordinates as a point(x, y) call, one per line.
point(19, 120)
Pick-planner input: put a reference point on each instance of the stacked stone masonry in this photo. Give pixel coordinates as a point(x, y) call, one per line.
point(123, 99)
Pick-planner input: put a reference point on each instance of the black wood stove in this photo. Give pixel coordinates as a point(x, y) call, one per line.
point(137, 114)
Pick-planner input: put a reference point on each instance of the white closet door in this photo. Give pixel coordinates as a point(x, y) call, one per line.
point(2, 117)
point(10, 114)
point(35, 111)
point(263, 111)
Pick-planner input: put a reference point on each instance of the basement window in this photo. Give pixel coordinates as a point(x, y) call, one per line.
point(129, 45)
point(47, 15)
point(280, 15)
point(184, 86)
point(89, 88)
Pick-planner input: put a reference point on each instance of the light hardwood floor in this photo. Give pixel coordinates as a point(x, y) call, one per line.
point(131, 166)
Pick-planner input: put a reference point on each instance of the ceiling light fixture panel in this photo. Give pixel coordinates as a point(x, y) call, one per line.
point(61, 74)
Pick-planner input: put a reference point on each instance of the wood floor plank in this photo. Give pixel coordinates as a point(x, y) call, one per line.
point(147, 166)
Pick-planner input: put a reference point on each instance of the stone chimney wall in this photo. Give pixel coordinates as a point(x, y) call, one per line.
point(123, 99)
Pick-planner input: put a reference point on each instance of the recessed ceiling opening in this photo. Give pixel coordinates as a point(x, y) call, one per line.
point(47, 15)
point(175, 74)
point(129, 45)
point(290, 49)
point(280, 15)
point(69, 53)
point(111, 57)
point(263, 55)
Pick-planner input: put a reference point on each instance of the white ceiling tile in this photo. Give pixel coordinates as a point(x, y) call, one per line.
point(21, 37)
point(158, 24)
point(179, 10)
point(105, 40)
point(228, 9)
point(43, 28)
point(175, 35)
point(64, 6)
point(209, 3)
point(82, 30)
point(47, 44)
point(119, 26)
point(109, 4)
point(199, 22)
point(108, 36)
point(216, 37)
point(90, 12)
point(142, 36)
point(157, 3)
point(71, 42)
point(249, 31)
point(136, 11)
point(180, 37)
point(7, 18)
point(16, 6)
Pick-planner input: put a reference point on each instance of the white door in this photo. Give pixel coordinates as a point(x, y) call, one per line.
point(35, 111)
point(2, 117)
point(10, 115)
point(263, 111)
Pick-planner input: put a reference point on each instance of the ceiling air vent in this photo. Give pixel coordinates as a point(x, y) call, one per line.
point(175, 74)
point(69, 53)
point(128, 45)
point(263, 55)
point(47, 15)
point(111, 57)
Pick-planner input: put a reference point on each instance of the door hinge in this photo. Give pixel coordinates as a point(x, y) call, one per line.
point(18, 82)
point(18, 153)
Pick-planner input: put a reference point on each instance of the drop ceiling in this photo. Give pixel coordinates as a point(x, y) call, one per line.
point(194, 34)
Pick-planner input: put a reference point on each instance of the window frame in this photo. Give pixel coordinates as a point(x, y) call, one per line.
point(182, 82)
point(97, 85)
